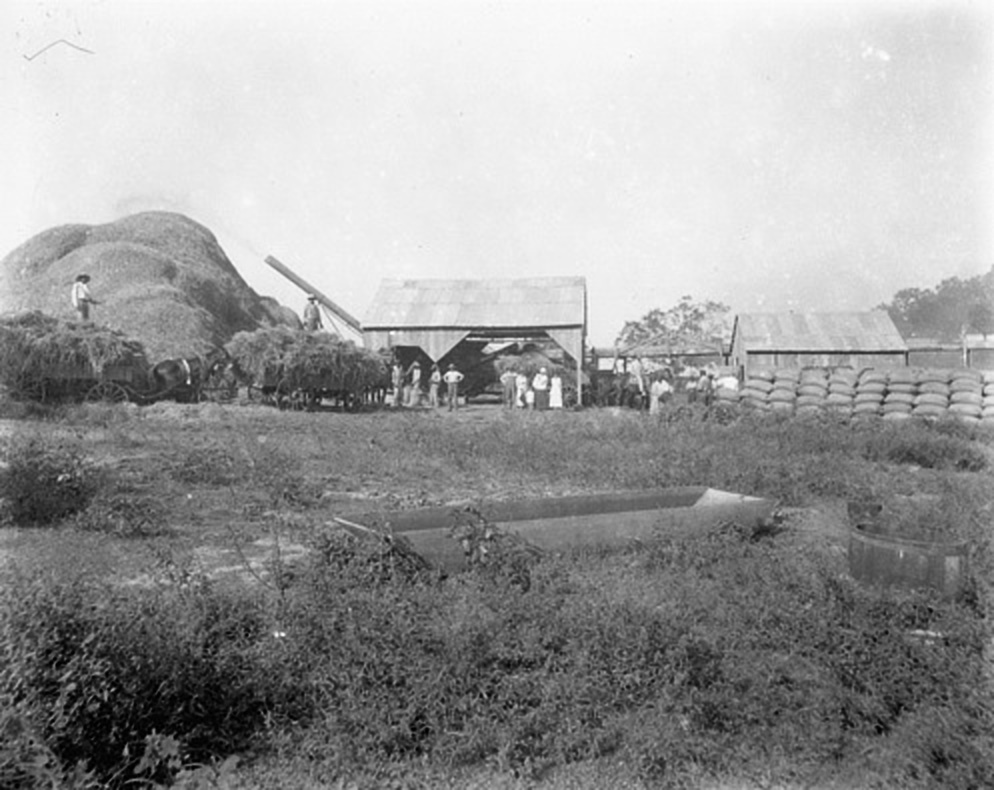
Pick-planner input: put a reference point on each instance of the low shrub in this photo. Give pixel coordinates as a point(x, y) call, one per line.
point(46, 479)
point(737, 651)
point(97, 671)
point(927, 447)
point(208, 465)
point(125, 512)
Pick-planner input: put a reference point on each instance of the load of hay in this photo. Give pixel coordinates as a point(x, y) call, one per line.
point(528, 362)
point(157, 276)
point(289, 359)
point(41, 354)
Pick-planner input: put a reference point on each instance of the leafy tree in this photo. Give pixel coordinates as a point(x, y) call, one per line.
point(954, 306)
point(688, 322)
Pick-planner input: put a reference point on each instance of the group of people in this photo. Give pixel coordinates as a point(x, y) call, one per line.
point(541, 392)
point(408, 385)
point(699, 387)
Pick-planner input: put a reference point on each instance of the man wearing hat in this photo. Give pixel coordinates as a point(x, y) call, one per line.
point(312, 316)
point(452, 378)
point(81, 299)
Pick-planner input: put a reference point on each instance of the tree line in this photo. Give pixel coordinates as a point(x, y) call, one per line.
point(945, 312)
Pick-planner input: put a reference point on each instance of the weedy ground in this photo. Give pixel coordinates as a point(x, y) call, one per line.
point(735, 658)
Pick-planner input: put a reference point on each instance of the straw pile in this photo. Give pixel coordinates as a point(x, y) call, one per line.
point(293, 359)
point(35, 348)
point(159, 277)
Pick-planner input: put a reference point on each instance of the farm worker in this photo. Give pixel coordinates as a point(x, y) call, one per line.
point(635, 369)
point(657, 389)
point(433, 381)
point(414, 397)
point(312, 316)
point(521, 387)
point(692, 382)
point(397, 379)
point(556, 392)
point(541, 386)
point(452, 378)
point(508, 387)
point(81, 299)
point(660, 392)
point(705, 386)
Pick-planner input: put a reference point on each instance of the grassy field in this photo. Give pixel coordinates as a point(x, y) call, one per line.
point(175, 595)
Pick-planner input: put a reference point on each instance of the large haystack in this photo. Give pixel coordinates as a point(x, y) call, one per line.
point(159, 277)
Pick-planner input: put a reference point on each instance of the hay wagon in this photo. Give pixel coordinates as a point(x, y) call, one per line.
point(77, 382)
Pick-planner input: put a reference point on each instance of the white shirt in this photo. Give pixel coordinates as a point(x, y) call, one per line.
point(80, 294)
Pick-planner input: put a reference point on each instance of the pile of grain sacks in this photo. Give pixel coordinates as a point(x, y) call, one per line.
point(892, 394)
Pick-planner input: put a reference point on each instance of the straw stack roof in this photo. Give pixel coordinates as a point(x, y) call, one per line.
point(159, 277)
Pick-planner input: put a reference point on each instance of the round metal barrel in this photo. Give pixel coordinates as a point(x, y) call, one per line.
point(888, 561)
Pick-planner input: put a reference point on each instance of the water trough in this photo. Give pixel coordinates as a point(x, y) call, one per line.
point(569, 522)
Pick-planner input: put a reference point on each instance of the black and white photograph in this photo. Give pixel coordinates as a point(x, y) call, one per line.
point(494, 394)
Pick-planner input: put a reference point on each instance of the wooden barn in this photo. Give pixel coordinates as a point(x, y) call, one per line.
point(436, 316)
point(797, 340)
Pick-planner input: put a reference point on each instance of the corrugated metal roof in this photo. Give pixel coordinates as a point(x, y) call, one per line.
point(867, 331)
point(532, 302)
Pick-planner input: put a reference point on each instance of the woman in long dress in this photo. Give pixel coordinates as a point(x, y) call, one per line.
point(556, 392)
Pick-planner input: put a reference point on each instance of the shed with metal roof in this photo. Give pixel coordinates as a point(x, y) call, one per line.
point(796, 340)
point(438, 315)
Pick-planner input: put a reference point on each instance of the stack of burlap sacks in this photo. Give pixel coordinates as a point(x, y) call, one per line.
point(892, 394)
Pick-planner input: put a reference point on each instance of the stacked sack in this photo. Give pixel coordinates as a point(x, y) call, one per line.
point(932, 398)
point(987, 413)
point(966, 395)
point(755, 390)
point(812, 390)
point(842, 391)
point(869, 392)
point(783, 395)
point(902, 387)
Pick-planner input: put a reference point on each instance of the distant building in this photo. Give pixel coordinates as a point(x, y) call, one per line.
point(692, 354)
point(979, 351)
point(930, 352)
point(972, 351)
point(797, 340)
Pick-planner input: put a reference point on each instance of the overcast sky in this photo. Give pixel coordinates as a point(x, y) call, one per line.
point(771, 155)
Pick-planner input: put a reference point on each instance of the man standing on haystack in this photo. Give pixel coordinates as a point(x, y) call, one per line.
point(81, 299)
point(312, 316)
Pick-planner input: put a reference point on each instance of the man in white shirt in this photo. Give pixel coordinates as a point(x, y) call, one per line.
point(81, 299)
point(452, 378)
point(541, 386)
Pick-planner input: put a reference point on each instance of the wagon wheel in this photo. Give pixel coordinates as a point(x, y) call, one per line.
point(109, 391)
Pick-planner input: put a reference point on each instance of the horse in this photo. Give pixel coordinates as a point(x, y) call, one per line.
point(183, 378)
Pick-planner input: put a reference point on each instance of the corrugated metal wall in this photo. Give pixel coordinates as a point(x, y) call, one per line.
point(935, 358)
point(981, 358)
point(788, 360)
